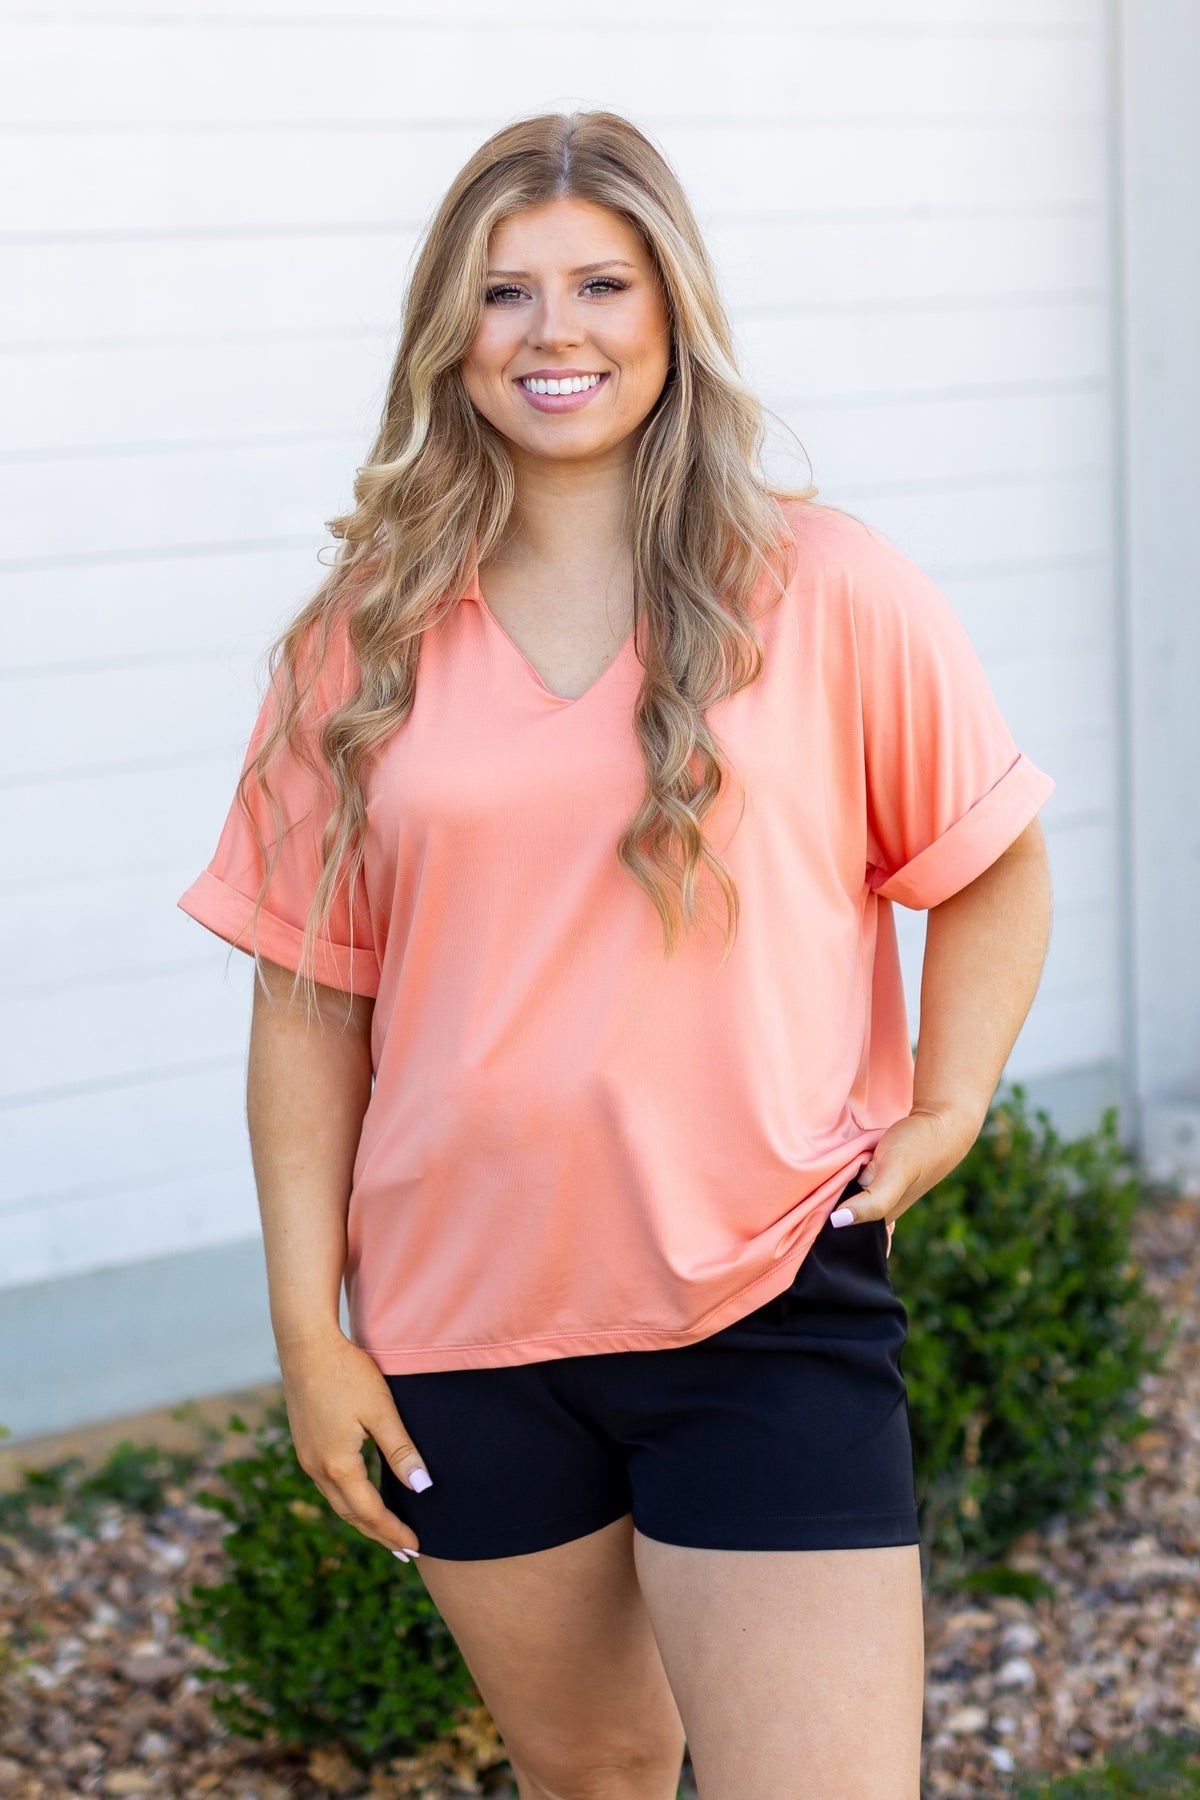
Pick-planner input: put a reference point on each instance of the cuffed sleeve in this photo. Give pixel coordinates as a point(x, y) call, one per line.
point(972, 843)
point(222, 897)
point(228, 912)
point(947, 788)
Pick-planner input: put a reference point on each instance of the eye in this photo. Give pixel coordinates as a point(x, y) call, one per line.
point(607, 282)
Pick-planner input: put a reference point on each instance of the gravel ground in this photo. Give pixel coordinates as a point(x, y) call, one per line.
point(100, 1693)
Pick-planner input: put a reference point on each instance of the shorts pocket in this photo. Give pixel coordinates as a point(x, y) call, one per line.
point(841, 1271)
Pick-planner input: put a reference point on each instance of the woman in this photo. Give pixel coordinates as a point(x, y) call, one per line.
point(601, 1023)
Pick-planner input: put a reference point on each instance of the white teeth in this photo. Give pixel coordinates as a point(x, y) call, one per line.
point(573, 384)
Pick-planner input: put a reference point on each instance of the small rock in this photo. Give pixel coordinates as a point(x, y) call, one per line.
point(966, 1719)
point(168, 1554)
point(58, 1731)
point(146, 1670)
point(1021, 1636)
point(129, 1781)
point(972, 1618)
point(1016, 1672)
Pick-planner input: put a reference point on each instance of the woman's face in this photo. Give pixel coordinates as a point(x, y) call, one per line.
point(570, 289)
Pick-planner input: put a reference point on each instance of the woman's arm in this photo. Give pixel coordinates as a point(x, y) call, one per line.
point(984, 951)
point(307, 1090)
point(306, 1093)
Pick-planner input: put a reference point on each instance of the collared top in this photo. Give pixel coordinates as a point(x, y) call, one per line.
point(574, 1143)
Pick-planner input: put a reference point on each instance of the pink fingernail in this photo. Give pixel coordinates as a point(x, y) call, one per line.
point(843, 1216)
point(418, 1480)
point(402, 1554)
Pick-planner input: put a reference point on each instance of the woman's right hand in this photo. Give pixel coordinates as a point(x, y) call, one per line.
point(336, 1397)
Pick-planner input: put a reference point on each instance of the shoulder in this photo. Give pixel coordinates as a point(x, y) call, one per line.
point(836, 549)
point(854, 571)
point(327, 668)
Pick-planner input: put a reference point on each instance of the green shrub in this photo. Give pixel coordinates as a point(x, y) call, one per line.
point(137, 1477)
point(324, 1639)
point(1029, 1332)
point(1168, 1769)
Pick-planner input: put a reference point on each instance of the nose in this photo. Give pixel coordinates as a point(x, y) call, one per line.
point(555, 321)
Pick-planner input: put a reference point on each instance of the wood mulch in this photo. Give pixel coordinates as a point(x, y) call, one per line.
point(99, 1693)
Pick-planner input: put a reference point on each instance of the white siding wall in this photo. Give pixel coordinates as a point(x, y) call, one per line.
point(1159, 201)
point(205, 252)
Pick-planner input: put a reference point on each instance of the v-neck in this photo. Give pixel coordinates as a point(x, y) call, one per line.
point(472, 591)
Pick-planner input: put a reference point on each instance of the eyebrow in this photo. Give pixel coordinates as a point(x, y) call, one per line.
point(610, 262)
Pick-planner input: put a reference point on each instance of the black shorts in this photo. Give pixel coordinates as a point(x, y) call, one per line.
point(787, 1430)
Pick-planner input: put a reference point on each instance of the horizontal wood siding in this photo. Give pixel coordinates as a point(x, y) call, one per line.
point(908, 208)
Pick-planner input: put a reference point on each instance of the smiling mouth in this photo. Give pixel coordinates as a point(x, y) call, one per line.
point(570, 384)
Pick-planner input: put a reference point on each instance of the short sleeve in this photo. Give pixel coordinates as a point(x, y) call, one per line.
point(947, 788)
point(222, 897)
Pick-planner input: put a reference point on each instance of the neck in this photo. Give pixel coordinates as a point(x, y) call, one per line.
point(568, 516)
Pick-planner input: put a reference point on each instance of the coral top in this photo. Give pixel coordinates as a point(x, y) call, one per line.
point(574, 1144)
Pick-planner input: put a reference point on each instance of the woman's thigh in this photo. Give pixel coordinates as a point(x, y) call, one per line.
point(798, 1673)
point(561, 1648)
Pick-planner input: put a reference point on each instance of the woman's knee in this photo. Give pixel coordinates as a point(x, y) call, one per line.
point(563, 1653)
point(638, 1771)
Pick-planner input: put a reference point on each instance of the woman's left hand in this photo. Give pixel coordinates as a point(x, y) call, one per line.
point(911, 1157)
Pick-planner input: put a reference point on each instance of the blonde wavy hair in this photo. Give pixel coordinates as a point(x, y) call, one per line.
point(438, 488)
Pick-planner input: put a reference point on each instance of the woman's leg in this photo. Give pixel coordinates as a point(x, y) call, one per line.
point(561, 1648)
point(798, 1673)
